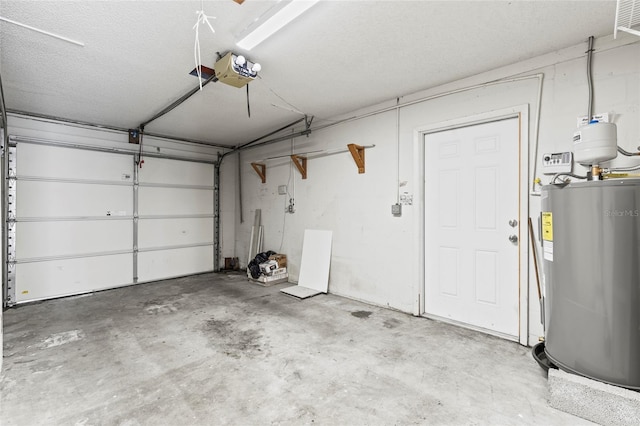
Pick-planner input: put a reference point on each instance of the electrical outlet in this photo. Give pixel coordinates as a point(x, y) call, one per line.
point(282, 190)
point(291, 207)
point(396, 209)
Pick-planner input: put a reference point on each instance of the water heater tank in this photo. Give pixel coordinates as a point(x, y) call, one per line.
point(595, 143)
point(591, 246)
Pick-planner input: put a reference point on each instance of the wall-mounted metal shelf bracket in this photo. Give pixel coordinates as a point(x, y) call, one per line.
point(301, 164)
point(307, 125)
point(357, 152)
point(261, 170)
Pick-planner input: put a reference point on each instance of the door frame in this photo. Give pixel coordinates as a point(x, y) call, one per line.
point(522, 113)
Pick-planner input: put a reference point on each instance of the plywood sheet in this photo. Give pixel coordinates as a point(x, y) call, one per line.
point(314, 266)
point(316, 260)
point(300, 292)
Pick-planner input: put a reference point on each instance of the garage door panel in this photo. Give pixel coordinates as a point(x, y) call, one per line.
point(60, 199)
point(172, 172)
point(156, 265)
point(72, 227)
point(174, 232)
point(67, 163)
point(65, 238)
point(43, 280)
point(176, 209)
point(155, 201)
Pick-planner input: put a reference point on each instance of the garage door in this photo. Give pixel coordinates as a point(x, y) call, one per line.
point(79, 221)
point(70, 221)
point(175, 228)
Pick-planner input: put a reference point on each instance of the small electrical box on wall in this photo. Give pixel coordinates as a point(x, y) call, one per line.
point(134, 136)
point(559, 162)
point(396, 209)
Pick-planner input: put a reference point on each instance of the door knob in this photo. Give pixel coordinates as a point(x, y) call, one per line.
point(513, 238)
point(513, 223)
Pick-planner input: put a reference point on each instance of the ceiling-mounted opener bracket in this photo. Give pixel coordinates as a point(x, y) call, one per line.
point(307, 125)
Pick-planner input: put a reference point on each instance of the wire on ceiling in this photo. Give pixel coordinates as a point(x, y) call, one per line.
point(202, 19)
point(38, 30)
point(289, 104)
point(269, 134)
point(292, 108)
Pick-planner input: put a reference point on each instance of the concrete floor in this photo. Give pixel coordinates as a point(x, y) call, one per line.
point(216, 349)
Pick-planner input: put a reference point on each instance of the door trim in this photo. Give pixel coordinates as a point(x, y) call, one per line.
point(522, 113)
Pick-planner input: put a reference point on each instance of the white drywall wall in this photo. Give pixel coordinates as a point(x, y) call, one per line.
point(374, 256)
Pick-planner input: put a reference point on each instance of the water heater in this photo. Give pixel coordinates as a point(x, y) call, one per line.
point(591, 273)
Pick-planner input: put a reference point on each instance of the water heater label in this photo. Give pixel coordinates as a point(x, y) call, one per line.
point(547, 226)
point(577, 137)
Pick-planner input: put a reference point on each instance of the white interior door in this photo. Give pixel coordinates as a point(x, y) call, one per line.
point(471, 247)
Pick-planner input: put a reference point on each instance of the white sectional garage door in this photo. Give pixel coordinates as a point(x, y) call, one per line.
point(78, 221)
point(73, 228)
point(175, 230)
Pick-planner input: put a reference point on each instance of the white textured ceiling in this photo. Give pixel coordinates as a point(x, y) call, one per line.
point(337, 57)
